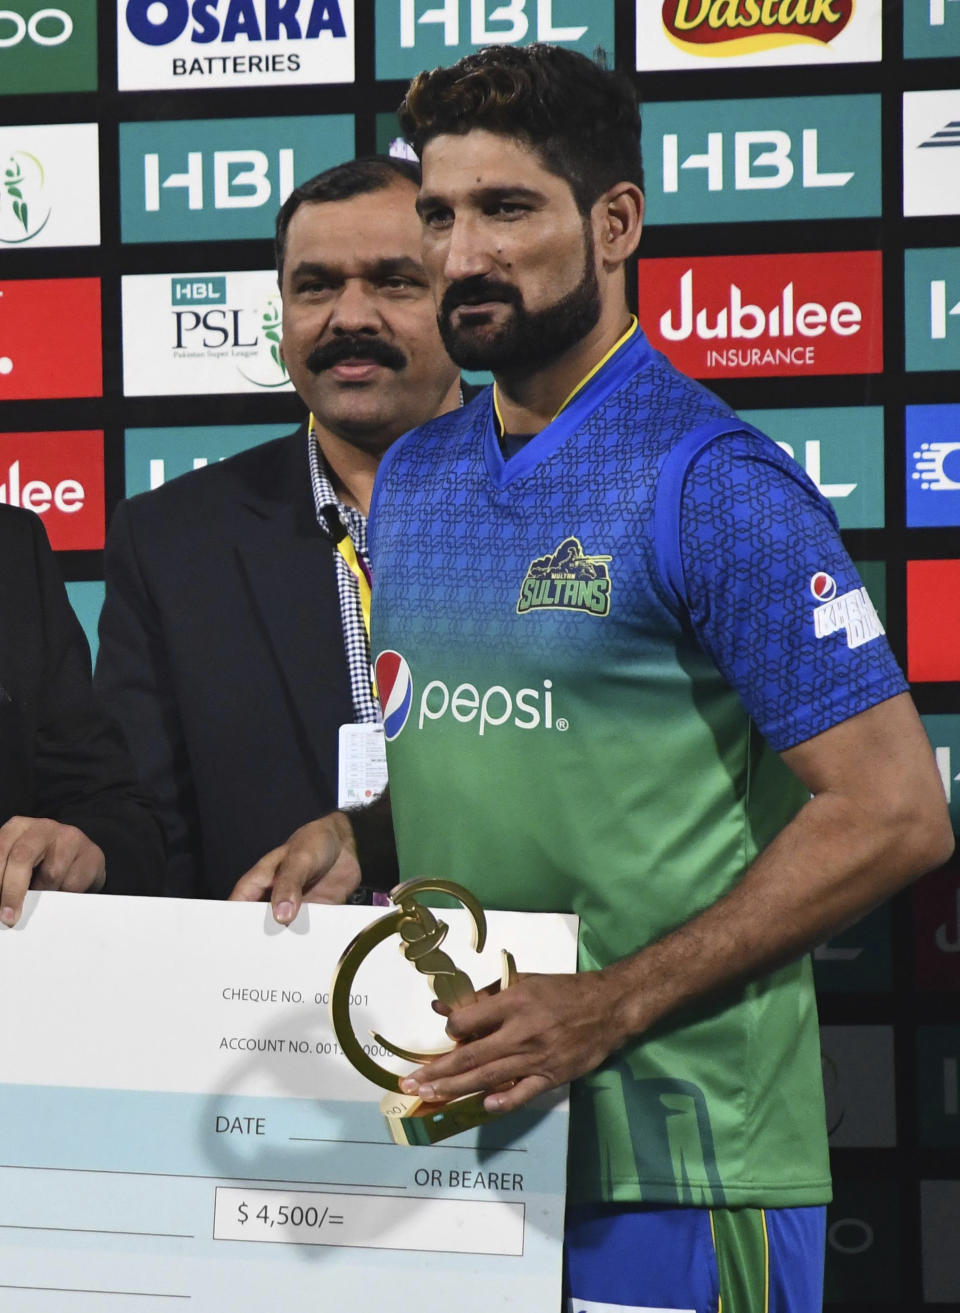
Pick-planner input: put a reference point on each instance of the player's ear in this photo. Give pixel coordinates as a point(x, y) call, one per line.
point(618, 220)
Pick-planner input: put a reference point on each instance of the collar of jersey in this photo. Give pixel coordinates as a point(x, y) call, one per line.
point(624, 359)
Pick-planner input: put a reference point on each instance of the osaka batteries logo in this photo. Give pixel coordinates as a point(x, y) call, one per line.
point(395, 687)
point(735, 27)
point(22, 212)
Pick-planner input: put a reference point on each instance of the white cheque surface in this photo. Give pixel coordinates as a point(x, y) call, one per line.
point(182, 1130)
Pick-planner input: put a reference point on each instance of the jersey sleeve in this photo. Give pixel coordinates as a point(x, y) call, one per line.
point(773, 595)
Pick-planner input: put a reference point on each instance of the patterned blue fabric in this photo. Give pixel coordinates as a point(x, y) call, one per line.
point(754, 532)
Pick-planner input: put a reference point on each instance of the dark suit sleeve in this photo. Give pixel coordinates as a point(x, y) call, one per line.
point(83, 774)
point(134, 678)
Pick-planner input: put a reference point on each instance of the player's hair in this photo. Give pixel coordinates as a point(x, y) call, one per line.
point(366, 174)
point(582, 120)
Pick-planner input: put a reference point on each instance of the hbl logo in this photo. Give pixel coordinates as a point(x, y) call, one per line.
point(931, 29)
point(932, 305)
point(240, 179)
point(154, 456)
point(414, 34)
point(765, 159)
point(229, 184)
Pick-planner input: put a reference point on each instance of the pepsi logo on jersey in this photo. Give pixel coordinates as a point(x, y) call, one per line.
point(395, 688)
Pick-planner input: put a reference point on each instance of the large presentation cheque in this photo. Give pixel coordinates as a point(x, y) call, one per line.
point(181, 1128)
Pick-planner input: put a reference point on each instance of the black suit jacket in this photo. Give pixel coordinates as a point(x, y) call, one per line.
point(60, 756)
point(221, 654)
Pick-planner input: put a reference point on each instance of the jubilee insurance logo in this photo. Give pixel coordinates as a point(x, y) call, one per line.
point(766, 315)
point(58, 476)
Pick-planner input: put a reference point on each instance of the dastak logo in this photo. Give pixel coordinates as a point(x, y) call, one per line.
point(735, 27)
point(566, 580)
point(395, 686)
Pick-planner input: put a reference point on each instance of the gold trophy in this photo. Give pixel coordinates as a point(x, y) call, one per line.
point(411, 1120)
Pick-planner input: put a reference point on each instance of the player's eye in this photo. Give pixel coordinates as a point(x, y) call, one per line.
point(437, 218)
point(509, 209)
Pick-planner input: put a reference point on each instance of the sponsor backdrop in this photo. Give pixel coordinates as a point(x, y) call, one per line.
point(801, 255)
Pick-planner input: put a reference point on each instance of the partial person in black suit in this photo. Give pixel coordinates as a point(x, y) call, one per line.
point(228, 618)
point(72, 816)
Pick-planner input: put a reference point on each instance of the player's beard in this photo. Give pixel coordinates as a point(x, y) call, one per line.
point(527, 339)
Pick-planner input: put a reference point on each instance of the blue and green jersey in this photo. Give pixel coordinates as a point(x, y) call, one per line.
point(590, 655)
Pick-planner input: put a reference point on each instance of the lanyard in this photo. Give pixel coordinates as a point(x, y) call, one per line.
point(362, 575)
point(359, 571)
point(356, 566)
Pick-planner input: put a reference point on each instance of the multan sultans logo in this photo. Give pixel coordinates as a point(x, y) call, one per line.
point(566, 580)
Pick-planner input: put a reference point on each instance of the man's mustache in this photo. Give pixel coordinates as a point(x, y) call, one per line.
point(354, 348)
point(476, 290)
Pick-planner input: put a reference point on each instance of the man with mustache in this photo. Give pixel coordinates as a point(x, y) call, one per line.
point(233, 643)
point(701, 745)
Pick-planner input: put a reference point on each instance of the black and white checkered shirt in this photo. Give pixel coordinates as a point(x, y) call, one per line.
point(355, 641)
